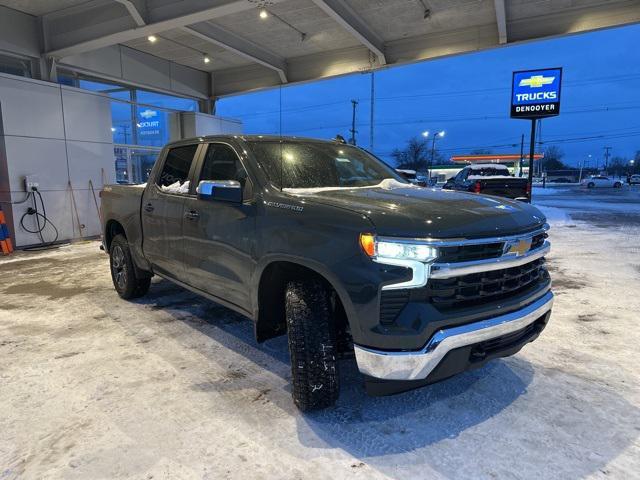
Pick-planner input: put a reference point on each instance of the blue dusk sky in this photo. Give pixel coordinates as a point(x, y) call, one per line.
point(468, 97)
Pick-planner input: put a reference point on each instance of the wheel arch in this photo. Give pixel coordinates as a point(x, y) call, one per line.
point(270, 283)
point(111, 229)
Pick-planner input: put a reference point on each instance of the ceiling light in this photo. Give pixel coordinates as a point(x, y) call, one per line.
point(152, 38)
point(206, 59)
point(264, 14)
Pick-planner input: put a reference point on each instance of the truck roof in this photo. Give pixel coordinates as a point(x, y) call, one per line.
point(253, 138)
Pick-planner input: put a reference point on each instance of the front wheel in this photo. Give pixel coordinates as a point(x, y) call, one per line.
point(123, 272)
point(617, 185)
point(312, 345)
point(591, 185)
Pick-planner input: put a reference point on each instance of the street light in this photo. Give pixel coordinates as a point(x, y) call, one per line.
point(437, 135)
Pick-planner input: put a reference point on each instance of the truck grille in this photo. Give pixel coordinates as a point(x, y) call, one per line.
point(483, 251)
point(484, 287)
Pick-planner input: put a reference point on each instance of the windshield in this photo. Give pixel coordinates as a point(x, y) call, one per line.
point(319, 165)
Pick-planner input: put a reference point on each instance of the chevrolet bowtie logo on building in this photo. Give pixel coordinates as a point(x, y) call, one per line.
point(517, 247)
point(147, 114)
point(536, 81)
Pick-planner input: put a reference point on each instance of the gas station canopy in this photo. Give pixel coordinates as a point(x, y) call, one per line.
point(220, 47)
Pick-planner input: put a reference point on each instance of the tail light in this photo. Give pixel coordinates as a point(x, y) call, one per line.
point(477, 187)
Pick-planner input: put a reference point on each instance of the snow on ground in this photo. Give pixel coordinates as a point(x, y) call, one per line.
point(173, 386)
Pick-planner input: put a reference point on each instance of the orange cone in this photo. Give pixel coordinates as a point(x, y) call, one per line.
point(5, 239)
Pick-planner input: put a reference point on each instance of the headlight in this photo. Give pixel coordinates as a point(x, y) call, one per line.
point(376, 248)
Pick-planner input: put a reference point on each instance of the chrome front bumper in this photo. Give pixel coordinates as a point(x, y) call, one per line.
point(417, 365)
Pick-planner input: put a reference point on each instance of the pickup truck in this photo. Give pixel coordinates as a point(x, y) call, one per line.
point(490, 179)
point(325, 243)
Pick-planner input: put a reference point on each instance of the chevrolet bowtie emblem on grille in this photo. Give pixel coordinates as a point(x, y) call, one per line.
point(536, 81)
point(517, 247)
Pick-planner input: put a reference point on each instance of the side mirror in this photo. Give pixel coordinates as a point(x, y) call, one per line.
point(221, 190)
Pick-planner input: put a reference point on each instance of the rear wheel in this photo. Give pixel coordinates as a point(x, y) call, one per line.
point(312, 345)
point(123, 272)
point(591, 185)
point(617, 185)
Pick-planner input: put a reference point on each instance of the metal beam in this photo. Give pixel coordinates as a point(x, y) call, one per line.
point(230, 41)
point(83, 32)
point(136, 9)
point(342, 13)
point(501, 19)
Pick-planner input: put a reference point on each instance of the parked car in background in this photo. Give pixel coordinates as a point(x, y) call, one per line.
point(491, 179)
point(600, 181)
point(413, 177)
point(634, 180)
point(325, 243)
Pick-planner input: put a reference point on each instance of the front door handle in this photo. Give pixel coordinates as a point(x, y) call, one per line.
point(149, 207)
point(192, 215)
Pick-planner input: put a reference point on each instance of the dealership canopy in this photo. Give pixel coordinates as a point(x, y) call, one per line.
point(220, 47)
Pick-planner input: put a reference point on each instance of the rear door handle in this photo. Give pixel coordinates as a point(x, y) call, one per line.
point(192, 215)
point(149, 207)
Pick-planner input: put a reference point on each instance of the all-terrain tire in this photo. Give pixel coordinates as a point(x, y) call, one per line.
point(312, 345)
point(123, 272)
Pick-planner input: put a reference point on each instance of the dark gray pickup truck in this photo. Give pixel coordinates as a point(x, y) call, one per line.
point(327, 244)
point(490, 179)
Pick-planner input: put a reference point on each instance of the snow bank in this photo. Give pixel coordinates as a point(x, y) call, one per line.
point(555, 216)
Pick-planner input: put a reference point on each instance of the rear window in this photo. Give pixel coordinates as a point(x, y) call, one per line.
point(177, 165)
point(489, 172)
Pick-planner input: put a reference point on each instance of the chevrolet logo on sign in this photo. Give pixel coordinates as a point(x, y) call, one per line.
point(517, 247)
point(536, 81)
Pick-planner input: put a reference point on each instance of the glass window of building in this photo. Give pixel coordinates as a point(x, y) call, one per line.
point(152, 126)
point(121, 123)
point(15, 66)
point(166, 101)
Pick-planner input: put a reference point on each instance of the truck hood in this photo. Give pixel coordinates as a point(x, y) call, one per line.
point(397, 209)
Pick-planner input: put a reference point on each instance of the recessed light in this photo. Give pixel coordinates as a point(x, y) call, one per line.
point(152, 38)
point(206, 59)
point(264, 14)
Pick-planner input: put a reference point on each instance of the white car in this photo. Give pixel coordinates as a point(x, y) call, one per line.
point(634, 180)
point(600, 181)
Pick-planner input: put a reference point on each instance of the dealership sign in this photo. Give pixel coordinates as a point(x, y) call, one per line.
point(536, 93)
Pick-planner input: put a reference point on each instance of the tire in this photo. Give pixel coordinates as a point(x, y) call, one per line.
point(591, 185)
point(617, 185)
point(312, 345)
point(123, 272)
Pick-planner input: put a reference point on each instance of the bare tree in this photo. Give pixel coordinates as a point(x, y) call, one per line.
point(416, 155)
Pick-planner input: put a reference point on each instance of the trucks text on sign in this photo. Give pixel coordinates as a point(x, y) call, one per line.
point(536, 93)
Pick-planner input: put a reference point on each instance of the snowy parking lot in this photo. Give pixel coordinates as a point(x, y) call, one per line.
point(174, 386)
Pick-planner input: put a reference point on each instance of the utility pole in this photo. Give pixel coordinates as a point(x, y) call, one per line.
point(606, 157)
point(532, 148)
point(372, 116)
point(521, 156)
point(354, 103)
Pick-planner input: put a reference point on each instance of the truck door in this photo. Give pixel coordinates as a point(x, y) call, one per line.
point(163, 208)
point(219, 236)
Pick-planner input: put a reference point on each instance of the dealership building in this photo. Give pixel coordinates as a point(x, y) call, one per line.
point(91, 90)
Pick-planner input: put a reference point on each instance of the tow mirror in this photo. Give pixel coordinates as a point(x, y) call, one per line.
point(221, 190)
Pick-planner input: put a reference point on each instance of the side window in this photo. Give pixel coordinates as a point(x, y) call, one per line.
point(222, 163)
point(175, 171)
